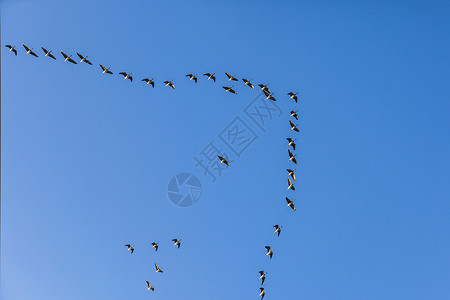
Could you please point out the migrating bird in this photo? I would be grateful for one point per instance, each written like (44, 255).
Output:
(68, 58)
(83, 59)
(105, 70)
(150, 287)
(149, 81)
(264, 88)
(269, 251)
(155, 245)
(291, 142)
(210, 76)
(277, 229)
(262, 277)
(229, 89)
(263, 293)
(30, 51)
(169, 83)
(294, 114)
(293, 96)
(248, 83)
(223, 160)
(231, 77)
(192, 77)
(293, 127)
(177, 243)
(270, 97)
(12, 49)
(130, 248)
(48, 53)
(290, 185)
(291, 173)
(126, 76)
(158, 270)
(292, 157)
(290, 203)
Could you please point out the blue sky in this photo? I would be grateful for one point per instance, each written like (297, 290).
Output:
(86, 157)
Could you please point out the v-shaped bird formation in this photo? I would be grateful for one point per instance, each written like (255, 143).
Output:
(225, 160)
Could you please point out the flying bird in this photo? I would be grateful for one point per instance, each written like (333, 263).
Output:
(30, 51)
(231, 77)
(248, 83)
(177, 243)
(290, 185)
(83, 59)
(270, 97)
(269, 251)
(290, 203)
(130, 248)
(12, 49)
(294, 114)
(68, 58)
(105, 70)
(277, 229)
(292, 157)
(126, 76)
(263, 293)
(158, 270)
(150, 287)
(229, 89)
(291, 142)
(223, 160)
(48, 53)
(262, 277)
(149, 81)
(264, 88)
(192, 77)
(169, 83)
(210, 76)
(155, 245)
(291, 173)
(293, 127)
(293, 96)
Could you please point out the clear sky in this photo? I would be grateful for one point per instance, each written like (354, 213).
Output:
(87, 157)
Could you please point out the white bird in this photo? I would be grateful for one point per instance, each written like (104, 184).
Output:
(210, 76)
(126, 76)
(277, 229)
(83, 59)
(158, 270)
(248, 83)
(262, 277)
(68, 58)
(269, 251)
(30, 51)
(105, 70)
(223, 160)
(130, 248)
(263, 293)
(169, 83)
(150, 287)
(12, 49)
(48, 53)
(155, 245)
(177, 243)
(290, 203)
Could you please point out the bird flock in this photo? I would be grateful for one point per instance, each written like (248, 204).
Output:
(228, 89)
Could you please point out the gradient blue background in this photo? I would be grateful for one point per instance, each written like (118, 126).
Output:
(86, 157)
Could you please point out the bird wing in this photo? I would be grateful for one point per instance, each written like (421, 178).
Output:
(8, 46)
(290, 123)
(288, 200)
(34, 54)
(228, 75)
(146, 80)
(103, 68)
(131, 78)
(295, 98)
(45, 50)
(26, 48)
(268, 248)
(132, 250)
(72, 61)
(207, 74)
(264, 278)
(213, 78)
(127, 245)
(293, 145)
(15, 51)
(290, 93)
(195, 79)
(152, 83)
(296, 129)
(294, 160)
(88, 62)
(226, 162)
(80, 56)
(156, 266)
(123, 73)
(290, 153)
(63, 54)
(289, 140)
(51, 55)
(276, 226)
